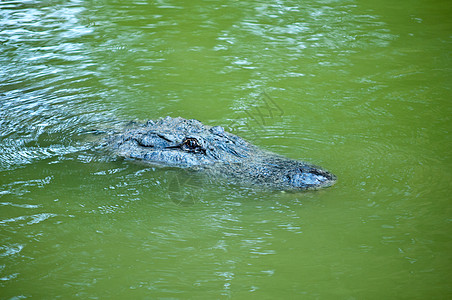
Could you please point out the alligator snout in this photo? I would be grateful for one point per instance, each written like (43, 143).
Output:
(311, 179)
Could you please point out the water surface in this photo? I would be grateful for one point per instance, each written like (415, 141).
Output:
(362, 89)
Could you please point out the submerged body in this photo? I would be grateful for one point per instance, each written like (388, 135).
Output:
(190, 144)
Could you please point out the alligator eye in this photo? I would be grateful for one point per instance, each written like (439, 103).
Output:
(191, 143)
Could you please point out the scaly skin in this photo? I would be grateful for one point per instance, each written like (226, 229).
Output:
(190, 144)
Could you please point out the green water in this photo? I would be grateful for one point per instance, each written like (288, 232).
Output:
(362, 89)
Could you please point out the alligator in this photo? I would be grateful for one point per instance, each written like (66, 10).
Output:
(183, 143)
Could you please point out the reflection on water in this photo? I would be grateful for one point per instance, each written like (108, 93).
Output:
(361, 89)
(47, 92)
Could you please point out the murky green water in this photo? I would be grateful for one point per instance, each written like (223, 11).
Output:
(363, 89)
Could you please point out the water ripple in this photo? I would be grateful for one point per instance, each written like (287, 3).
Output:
(9, 250)
(49, 84)
(29, 220)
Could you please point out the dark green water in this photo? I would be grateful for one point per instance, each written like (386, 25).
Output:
(362, 89)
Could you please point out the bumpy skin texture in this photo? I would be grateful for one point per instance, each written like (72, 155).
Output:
(190, 144)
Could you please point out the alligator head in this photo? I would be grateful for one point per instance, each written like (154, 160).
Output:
(190, 144)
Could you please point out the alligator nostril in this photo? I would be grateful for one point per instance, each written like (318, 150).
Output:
(304, 179)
